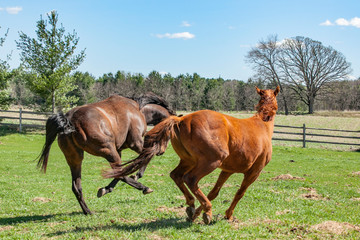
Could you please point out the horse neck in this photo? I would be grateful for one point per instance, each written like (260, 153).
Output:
(266, 113)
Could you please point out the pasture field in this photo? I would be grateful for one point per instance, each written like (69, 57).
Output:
(302, 194)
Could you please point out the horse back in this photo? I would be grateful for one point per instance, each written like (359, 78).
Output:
(113, 119)
(238, 143)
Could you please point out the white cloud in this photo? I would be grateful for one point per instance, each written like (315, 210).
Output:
(354, 22)
(342, 22)
(185, 24)
(326, 23)
(13, 10)
(183, 35)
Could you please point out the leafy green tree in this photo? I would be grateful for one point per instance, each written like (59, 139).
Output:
(84, 91)
(50, 58)
(213, 94)
(5, 76)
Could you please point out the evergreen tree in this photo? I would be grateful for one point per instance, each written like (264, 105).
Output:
(50, 59)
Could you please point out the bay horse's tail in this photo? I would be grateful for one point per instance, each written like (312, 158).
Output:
(155, 143)
(55, 124)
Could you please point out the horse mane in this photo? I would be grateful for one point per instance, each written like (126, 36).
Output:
(152, 98)
(266, 109)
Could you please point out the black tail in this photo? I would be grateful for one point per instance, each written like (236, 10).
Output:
(156, 141)
(54, 125)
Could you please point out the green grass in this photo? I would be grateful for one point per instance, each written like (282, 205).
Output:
(270, 209)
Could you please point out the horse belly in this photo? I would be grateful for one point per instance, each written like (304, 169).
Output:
(237, 164)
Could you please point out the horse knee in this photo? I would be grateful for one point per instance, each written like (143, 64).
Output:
(191, 181)
(176, 176)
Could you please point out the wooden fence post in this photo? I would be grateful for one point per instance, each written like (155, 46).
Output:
(304, 136)
(20, 118)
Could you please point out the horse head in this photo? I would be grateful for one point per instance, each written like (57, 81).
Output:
(267, 105)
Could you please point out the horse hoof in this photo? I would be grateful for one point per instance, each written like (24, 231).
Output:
(88, 212)
(147, 191)
(101, 192)
(190, 211)
(206, 218)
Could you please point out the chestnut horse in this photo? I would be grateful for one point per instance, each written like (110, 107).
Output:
(102, 129)
(206, 140)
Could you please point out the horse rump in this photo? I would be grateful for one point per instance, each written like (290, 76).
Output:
(55, 124)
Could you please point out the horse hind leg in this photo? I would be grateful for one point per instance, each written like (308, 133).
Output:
(177, 175)
(215, 191)
(192, 179)
(74, 157)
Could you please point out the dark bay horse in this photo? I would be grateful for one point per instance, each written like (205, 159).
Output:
(206, 140)
(103, 129)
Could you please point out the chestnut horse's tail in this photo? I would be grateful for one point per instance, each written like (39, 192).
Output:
(155, 143)
(55, 124)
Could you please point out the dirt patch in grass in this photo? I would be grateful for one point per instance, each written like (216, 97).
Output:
(205, 185)
(335, 227)
(236, 223)
(156, 237)
(180, 211)
(356, 173)
(312, 194)
(6, 228)
(41, 199)
(287, 177)
(355, 199)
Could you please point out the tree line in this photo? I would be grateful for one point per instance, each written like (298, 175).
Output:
(188, 92)
(305, 70)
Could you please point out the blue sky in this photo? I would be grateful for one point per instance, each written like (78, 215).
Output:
(210, 38)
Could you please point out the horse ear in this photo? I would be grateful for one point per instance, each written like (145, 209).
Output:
(277, 90)
(259, 91)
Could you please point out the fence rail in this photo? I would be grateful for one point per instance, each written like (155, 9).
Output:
(303, 135)
(22, 118)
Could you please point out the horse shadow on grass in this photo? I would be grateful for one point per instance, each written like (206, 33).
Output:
(33, 218)
(177, 223)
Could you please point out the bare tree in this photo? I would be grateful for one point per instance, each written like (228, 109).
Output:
(308, 65)
(264, 58)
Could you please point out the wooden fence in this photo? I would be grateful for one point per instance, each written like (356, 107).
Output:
(300, 134)
(24, 119)
(306, 135)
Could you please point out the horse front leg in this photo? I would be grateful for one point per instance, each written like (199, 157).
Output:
(115, 159)
(132, 182)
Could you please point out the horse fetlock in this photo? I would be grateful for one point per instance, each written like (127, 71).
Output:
(190, 211)
(135, 177)
(228, 214)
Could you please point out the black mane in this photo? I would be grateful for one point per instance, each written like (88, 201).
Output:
(152, 98)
